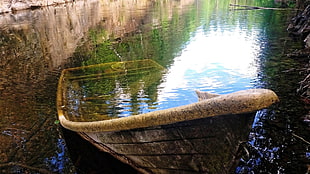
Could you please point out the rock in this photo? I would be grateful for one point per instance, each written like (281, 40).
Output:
(4, 7)
(4, 10)
(3, 158)
(301, 23)
(19, 6)
(306, 119)
(307, 41)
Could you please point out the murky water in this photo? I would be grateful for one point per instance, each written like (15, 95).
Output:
(205, 45)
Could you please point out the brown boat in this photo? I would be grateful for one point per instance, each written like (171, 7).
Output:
(201, 137)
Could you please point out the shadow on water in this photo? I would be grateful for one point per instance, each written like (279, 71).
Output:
(278, 142)
(34, 46)
(92, 160)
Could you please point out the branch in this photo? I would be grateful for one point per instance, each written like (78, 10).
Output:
(246, 7)
(302, 139)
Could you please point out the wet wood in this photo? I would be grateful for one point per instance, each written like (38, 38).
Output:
(118, 156)
(205, 95)
(201, 137)
(203, 145)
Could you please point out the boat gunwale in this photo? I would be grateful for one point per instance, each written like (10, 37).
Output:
(245, 101)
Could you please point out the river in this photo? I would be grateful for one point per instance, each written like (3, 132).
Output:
(203, 44)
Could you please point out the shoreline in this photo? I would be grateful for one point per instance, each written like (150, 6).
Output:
(299, 28)
(9, 6)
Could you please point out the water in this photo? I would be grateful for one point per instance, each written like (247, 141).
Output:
(204, 45)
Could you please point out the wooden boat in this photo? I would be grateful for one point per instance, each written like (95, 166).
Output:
(201, 137)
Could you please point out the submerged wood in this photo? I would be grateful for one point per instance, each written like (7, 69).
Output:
(201, 137)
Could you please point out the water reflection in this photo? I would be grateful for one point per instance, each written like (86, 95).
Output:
(34, 45)
(58, 163)
(216, 61)
(201, 43)
(220, 51)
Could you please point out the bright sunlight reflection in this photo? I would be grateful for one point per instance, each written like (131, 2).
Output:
(218, 62)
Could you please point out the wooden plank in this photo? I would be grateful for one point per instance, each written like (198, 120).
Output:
(200, 128)
(205, 145)
(209, 145)
(190, 163)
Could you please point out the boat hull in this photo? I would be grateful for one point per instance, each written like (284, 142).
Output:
(207, 145)
(201, 137)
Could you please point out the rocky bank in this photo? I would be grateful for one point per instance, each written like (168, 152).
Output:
(7, 6)
(300, 27)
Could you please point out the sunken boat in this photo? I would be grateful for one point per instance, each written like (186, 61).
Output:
(201, 137)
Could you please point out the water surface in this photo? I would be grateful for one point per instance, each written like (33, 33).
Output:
(205, 45)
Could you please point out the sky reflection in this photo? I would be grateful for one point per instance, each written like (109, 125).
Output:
(218, 61)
